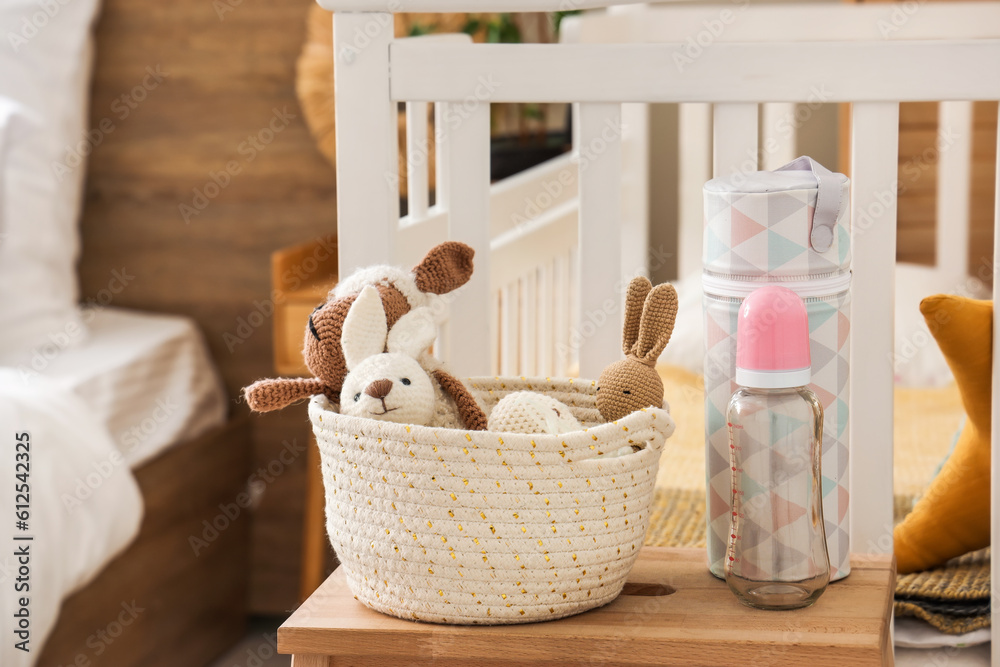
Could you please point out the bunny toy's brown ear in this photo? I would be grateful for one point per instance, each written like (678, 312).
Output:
(445, 268)
(634, 300)
(267, 395)
(658, 315)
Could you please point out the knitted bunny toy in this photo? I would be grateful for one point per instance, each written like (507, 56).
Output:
(391, 385)
(633, 383)
(445, 268)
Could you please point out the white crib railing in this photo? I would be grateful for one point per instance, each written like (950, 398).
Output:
(500, 322)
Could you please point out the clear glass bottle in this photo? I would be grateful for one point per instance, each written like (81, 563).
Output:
(777, 555)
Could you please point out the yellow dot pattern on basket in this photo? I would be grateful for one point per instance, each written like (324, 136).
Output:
(427, 532)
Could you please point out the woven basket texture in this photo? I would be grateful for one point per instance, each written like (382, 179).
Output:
(476, 527)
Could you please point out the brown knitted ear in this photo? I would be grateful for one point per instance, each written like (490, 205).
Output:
(658, 315)
(634, 300)
(267, 395)
(472, 415)
(445, 268)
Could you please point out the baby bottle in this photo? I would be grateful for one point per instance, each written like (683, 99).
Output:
(777, 556)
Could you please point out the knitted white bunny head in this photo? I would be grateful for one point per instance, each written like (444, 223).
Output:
(384, 379)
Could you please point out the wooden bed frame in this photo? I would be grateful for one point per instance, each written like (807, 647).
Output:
(159, 603)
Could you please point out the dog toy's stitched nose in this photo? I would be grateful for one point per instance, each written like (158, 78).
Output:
(379, 388)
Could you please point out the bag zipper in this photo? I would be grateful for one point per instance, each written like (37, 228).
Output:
(740, 289)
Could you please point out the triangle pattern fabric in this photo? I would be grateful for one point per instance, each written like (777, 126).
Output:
(744, 227)
(780, 250)
(714, 247)
(784, 512)
(765, 235)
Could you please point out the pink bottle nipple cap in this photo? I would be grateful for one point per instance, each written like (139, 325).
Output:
(772, 340)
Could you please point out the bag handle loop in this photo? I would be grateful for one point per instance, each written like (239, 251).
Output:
(828, 201)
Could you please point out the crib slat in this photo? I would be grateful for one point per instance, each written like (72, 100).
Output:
(529, 324)
(635, 189)
(508, 335)
(545, 313)
(874, 149)
(465, 146)
(995, 424)
(778, 134)
(600, 289)
(575, 299)
(440, 164)
(368, 140)
(561, 296)
(694, 138)
(417, 157)
(953, 176)
(734, 139)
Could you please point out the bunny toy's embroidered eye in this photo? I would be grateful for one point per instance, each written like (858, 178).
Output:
(627, 392)
(357, 397)
(406, 381)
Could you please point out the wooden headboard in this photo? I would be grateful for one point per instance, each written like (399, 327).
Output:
(202, 167)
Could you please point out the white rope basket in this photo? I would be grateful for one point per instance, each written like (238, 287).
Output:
(476, 527)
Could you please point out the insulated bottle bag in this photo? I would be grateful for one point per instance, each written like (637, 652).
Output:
(789, 227)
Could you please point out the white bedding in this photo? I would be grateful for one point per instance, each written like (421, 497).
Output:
(148, 377)
(84, 503)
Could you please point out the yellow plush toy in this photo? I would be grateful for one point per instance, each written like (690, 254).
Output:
(953, 516)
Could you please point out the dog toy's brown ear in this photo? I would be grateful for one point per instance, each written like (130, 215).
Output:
(469, 411)
(267, 395)
(445, 268)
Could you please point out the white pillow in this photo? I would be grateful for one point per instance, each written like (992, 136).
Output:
(44, 70)
(917, 361)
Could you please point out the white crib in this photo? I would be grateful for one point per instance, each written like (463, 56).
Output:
(556, 245)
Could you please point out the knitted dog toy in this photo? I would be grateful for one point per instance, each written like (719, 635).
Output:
(531, 412)
(391, 385)
(633, 383)
(445, 268)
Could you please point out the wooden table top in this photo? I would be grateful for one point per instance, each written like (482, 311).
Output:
(672, 612)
